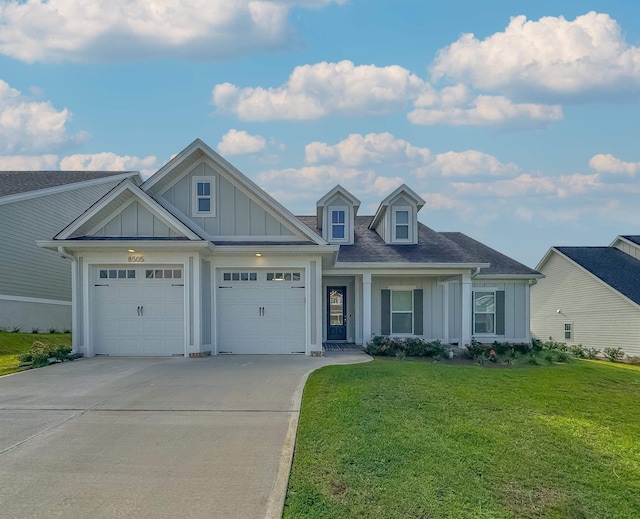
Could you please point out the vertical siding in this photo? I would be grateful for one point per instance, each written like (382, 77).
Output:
(135, 221)
(236, 213)
(27, 270)
(515, 307)
(600, 316)
(632, 250)
(455, 312)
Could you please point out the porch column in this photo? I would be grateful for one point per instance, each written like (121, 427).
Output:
(358, 309)
(366, 308)
(466, 310)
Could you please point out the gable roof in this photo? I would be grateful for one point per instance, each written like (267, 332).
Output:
(19, 182)
(617, 269)
(403, 189)
(500, 264)
(338, 189)
(634, 238)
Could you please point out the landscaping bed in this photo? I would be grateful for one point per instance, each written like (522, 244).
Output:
(16, 343)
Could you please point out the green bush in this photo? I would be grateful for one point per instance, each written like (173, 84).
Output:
(633, 359)
(578, 351)
(404, 347)
(536, 345)
(41, 352)
(613, 354)
(591, 353)
(477, 350)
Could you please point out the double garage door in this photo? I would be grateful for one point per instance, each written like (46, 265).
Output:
(139, 310)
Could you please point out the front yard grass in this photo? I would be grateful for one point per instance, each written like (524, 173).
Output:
(11, 344)
(411, 439)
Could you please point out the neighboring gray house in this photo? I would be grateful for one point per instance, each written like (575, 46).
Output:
(590, 296)
(200, 259)
(35, 285)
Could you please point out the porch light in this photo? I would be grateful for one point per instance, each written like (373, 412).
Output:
(131, 250)
(258, 254)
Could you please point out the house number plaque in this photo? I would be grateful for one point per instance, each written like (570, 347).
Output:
(135, 259)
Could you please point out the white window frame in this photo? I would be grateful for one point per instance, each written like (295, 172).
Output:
(401, 289)
(212, 196)
(473, 302)
(409, 225)
(345, 210)
(569, 331)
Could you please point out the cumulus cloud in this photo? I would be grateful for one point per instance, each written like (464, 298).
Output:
(236, 142)
(314, 91)
(27, 125)
(68, 30)
(28, 162)
(525, 184)
(467, 163)
(554, 56)
(606, 163)
(108, 161)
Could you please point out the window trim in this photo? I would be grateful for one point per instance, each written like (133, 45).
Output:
(569, 331)
(411, 290)
(345, 225)
(211, 180)
(394, 224)
(482, 290)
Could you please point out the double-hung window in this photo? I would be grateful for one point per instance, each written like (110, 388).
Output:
(568, 332)
(338, 224)
(203, 196)
(402, 311)
(401, 230)
(484, 312)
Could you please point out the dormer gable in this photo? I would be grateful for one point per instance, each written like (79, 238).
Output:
(628, 244)
(396, 220)
(336, 212)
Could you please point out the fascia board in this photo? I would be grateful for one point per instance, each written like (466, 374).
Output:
(401, 265)
(151, 245)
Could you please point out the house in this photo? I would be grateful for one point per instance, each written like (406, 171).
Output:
(35, 285)
(590, 296)
(200, 259)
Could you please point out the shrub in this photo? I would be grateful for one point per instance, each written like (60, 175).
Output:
(613, 354)
(41, 352)
(35, 330)
(407, 347)
(536, 345)
(15, 329)
(52, 330)
(577, 351)
(591, 353)
(633, 359)
(562, 356)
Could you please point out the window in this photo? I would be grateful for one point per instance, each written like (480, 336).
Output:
(283, 276)
(240, 276)
(484, 312)
(116, 274)
(163, 274)
(203, 196)
(568, 331)
(401, 224)
(338, 224)
(402, 311)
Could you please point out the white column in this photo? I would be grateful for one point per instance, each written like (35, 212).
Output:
(358, 309)
(445, 312)
(466, 310)
(366, 307)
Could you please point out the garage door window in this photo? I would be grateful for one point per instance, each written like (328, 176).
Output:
(283, 276)
(116, 274)
(240, 276)
(163, 274)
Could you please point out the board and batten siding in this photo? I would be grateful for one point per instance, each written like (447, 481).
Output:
(632, 250)
(27, 270)
(136, 220)
(600, 317)
(235, 213)
(516, 324)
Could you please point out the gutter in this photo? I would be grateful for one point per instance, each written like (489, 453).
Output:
(63, 253)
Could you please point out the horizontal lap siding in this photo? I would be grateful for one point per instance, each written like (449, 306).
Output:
(27, 270)
(600, 317)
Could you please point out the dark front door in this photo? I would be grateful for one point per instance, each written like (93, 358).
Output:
(336, 313)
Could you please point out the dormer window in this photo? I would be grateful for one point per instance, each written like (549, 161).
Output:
(401, 223)
(338, 224)
(203, 196)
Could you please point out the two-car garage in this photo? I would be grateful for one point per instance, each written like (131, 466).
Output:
(139, 310)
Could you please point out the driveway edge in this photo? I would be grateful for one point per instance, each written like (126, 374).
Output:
(275, 507)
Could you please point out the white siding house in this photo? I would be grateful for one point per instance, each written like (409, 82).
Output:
(35, 285)
(199, 259)
(590, 296)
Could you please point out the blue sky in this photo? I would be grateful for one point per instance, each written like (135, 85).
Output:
(518, 122)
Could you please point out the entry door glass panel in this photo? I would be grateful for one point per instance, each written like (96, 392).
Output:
(336, 313)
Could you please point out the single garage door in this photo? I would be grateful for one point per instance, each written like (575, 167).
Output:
(139, 311)
(261, 311)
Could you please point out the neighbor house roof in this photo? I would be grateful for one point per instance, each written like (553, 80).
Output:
(617, 269)
(633, 238)
(500, 264)
(14, 182)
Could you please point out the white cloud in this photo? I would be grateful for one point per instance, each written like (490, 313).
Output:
(108, 161)
(485, 110)
(236, 142)
(27, 126)
(526, 184)
(439, 201)
(467, 163)
(550, 56)
(314, 91)
(100, 30)
(28, 162)
(609, 164)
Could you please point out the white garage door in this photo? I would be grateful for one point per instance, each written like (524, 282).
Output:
(139, 311)
(261, 311)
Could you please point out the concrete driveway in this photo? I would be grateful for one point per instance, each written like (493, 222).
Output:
(152, 438)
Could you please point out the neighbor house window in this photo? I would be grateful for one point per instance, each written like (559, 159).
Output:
(484, 312)
(401, 224)
(568, 331)
(402, 311)
(203, 196)
(338, 224)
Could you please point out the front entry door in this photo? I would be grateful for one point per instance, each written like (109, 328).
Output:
(336, 313)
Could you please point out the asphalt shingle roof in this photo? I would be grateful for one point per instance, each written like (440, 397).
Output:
(14, 182)
(432, 247)
(634, 238)
(617, 269)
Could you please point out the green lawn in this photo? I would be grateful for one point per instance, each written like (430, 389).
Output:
(412, 439)
(11, 344)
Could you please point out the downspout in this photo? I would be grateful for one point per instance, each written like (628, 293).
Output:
(476, 272)
(63, 253)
